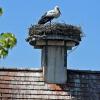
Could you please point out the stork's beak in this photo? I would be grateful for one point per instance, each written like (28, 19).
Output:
(60, 12)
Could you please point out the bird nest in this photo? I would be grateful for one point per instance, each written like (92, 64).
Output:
(54, 28)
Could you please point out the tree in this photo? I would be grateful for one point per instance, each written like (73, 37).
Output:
(1, 11)
(7, 41)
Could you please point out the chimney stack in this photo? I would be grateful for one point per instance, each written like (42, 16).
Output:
(54, 40)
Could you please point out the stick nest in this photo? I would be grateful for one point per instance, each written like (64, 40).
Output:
(54, 28)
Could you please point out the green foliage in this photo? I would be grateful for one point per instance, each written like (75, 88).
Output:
(1, 11)
(7, 41)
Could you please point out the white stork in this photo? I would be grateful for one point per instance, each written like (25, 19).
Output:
(50, 15)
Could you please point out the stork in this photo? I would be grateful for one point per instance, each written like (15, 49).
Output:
(49, 16)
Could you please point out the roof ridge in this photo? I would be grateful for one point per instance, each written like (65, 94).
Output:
(21, 69)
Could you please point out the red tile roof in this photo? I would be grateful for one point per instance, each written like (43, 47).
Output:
(25, 84)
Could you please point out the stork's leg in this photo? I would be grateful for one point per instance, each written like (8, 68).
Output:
(50, 23)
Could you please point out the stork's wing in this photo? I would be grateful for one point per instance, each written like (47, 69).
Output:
(51, 13)
(44, 15)
(45, 19)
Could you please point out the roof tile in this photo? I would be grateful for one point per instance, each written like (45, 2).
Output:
(16, 84)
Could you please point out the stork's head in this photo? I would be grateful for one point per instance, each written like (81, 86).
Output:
(56, 7)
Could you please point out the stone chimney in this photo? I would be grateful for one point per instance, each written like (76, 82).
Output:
(54, 40)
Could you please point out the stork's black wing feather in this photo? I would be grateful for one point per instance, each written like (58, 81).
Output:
(44, 19)
(44, 15)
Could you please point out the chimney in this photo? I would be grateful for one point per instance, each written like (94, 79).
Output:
(54, 40)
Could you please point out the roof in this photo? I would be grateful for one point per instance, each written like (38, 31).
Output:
(28, 84)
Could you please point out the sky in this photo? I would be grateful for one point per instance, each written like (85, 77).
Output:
(19, 15)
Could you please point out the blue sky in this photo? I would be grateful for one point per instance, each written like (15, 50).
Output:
(20, 14)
